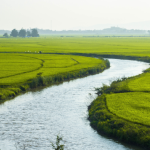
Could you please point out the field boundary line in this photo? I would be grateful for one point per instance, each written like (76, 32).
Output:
(26, 71)
(122, 117)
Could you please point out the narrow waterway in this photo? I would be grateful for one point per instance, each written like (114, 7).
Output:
(33, 120)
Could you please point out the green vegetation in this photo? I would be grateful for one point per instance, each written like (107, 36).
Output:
(122, 109)
(58, 145)
(18, 68)
(19, 72)
(22, 33)
(125, 46)
(105, 122)
(140, 83)
(132, 106)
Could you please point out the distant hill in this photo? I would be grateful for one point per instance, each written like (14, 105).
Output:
(112, 30)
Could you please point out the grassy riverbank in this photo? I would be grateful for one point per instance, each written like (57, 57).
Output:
(122, 110)
(21, 72)
(107, 123)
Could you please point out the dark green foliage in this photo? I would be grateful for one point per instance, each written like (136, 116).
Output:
(107, 63)
(14, 33)
(29, 33)
(22, 33)
(24, 87)
(105, 122)
(118, 86)
(15, 90)
(57, 145)
(1, 96)
(34, 33)
(5, 35)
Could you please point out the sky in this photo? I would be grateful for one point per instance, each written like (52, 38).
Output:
(74, 14)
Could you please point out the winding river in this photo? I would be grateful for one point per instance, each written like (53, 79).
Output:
(34, 119)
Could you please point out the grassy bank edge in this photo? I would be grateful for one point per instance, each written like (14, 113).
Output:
(9, 92)
(125, 57)
(102, 120)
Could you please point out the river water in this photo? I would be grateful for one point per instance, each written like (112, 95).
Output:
(33, 120)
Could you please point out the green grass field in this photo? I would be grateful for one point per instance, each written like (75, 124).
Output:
(18, 68)
(140, 83)
(132, 106)
(128, 46)
(22, 71)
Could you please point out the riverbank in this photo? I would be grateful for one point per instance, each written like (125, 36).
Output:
(14, 88)
(121, 110)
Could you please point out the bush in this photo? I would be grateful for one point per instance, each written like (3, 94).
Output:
(117, 86)
(58, 146)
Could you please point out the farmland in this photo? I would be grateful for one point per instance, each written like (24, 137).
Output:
(42, 69)
(31, 62)
(17, 68)
(132, 106)
(127, 46)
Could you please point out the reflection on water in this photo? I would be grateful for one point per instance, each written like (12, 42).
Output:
(34, 119)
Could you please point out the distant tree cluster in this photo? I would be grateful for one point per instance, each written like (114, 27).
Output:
(23, 33)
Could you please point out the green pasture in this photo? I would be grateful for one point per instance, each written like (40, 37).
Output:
(132, 103)
(19, 68)
(128, 46)
(132, 106)
(140, 83)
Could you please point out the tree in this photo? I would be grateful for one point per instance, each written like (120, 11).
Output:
(28, 33)
(14, 33)
(22, 33)
(5, 35)
(149, 31)
(34, 33)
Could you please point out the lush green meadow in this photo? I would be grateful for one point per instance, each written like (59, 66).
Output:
(21, 71)
(132, 106)
(18, 68)
(127, 46)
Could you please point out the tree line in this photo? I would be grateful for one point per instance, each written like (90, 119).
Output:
(23, 33)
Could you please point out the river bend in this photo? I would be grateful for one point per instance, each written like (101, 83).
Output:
(35, 118)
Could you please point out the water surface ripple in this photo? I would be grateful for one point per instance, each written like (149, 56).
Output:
(34, 119)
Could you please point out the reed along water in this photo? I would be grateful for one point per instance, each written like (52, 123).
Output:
(34, 119)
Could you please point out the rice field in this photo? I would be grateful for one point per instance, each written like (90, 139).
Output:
(134, 105)
(140, 83)
(127, 46)
(131, 106)
(19, 68)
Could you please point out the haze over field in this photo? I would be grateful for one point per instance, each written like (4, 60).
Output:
(74, 15)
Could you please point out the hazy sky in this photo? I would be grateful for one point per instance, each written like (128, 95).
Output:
(71, 14)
